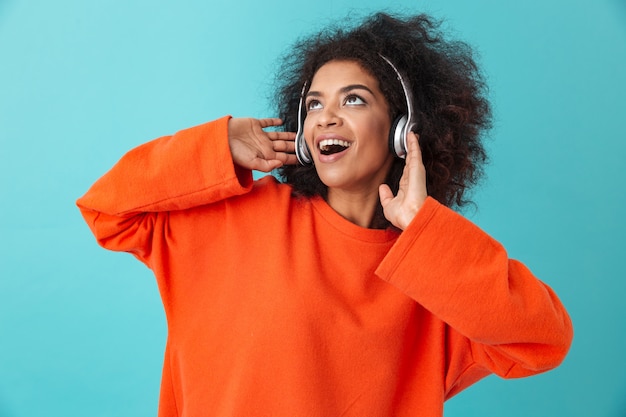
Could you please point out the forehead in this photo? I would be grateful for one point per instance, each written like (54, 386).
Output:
(341, 73)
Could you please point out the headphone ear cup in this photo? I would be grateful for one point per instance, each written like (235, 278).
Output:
(302, 150)
(396, 136)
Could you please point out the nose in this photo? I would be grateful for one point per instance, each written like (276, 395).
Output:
(329, 116)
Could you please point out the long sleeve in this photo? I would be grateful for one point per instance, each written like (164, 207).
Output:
(191, 168)
(512, 323)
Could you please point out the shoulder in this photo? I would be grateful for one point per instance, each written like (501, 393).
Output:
(267, 193)
(269, 187)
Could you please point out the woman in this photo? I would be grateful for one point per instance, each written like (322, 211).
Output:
(350, 288)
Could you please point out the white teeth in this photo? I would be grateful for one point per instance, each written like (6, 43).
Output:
(324, 144)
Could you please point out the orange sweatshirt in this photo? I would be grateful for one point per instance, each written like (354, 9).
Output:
(278, 306)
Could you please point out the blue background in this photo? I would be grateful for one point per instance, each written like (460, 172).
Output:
(82, 330)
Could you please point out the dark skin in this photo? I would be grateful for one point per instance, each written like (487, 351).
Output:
(255, 149)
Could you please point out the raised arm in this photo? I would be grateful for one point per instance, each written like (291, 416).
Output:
(196, 166)
(503, 318)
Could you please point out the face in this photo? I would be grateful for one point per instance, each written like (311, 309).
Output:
(347, 128)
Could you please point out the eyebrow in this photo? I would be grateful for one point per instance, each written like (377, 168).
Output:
(343, 90)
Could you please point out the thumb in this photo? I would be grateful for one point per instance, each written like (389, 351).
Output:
(385, 194)
(266, 165)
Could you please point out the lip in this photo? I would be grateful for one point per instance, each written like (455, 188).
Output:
(333, 157)
(325, 136)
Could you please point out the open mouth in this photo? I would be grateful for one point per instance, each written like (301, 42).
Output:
(331, 146)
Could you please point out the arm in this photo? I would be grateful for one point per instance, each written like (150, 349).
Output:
(501, 318)
(515, 323)
(196, 166)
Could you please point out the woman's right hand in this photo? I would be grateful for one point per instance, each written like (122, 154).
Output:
(255, 149)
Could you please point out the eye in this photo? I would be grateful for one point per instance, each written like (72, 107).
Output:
(313, 105)
(354, 100)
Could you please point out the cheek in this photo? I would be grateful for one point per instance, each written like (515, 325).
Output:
(380, 130)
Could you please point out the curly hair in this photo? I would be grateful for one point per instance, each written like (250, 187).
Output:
(449, 96)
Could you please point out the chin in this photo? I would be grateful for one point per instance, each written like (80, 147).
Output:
(332, 178)
(331, 182)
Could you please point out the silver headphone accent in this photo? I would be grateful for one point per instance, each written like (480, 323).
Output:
(302, 150)
(397, 136)
(405, 123)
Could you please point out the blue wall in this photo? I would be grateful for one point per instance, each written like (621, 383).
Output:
(82, 330)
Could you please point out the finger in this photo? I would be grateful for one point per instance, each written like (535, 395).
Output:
(414, 148)
(281, 135)
(265, 165)
(271, 121)
(414, 174)
(291, 159)
(285, 158)
(279, 160)
(284, 146)
(414, 163)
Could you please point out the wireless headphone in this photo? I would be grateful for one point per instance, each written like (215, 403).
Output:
(400, 127)
(302, 149)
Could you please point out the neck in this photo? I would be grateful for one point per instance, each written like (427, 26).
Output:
(358, 208)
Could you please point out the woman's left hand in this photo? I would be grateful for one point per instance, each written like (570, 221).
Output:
(403, 207)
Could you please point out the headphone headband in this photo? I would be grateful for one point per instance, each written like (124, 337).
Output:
(398, 140)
